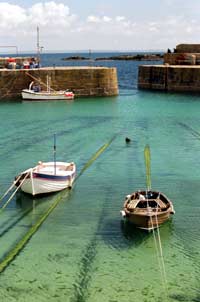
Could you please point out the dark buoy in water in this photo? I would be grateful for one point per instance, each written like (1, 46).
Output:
(128, 140)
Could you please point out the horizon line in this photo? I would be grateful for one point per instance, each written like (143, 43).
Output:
(89, 51)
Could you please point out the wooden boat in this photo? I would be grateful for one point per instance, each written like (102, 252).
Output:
(47, 177)
(147, 209)
(35, 93)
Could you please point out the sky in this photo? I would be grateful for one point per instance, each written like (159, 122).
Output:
(103, 25)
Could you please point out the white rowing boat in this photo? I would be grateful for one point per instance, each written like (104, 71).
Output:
(47, 177)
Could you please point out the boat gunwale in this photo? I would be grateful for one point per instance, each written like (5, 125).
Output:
(152, 211)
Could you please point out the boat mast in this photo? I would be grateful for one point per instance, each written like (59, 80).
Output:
(38, 45)
(54, 153)
(48, 90)
(48, 84)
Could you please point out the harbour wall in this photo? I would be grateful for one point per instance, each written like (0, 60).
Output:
(169, 77)
(83, 81)
(187, 48)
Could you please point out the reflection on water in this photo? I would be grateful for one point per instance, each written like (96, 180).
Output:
(26, 201)
(136, 236)
(133, 235)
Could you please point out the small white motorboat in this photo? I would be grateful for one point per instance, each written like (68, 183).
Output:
(34, 93)
(46, 177)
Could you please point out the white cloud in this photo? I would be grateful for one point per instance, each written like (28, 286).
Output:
(93, 19)
(47, 14)
(108, 25)
(153, 27)
(106, 19)
(120, 18)
(61, 29)
(50, 14)
(11, 15)
(97, 19)
(188, 29)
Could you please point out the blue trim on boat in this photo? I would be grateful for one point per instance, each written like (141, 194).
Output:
(52, 177)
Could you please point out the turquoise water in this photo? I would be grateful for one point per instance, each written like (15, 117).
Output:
(83, 251)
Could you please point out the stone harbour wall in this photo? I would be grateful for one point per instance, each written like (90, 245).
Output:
(182, 58)
(169, 78)
(188, 48)
(180, 72)
(84, 81)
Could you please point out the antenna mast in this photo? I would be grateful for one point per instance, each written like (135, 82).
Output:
(38, 45)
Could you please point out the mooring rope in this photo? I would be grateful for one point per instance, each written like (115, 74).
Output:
(39, 80)
(154, 236)
(10, 188)
(159, 252)
(21, 243)
(162, 262)
(7, 202)
(95, 156)
(158, 244)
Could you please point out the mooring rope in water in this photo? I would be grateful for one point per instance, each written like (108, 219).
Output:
(10, 188)
(159, 252)
(160, 258)
(7, 202)
(165, 284)
(21, 243)
(155, 241)
(158, 245)
(14, 222)
(19, 246)
(190, 129)
(95, 156)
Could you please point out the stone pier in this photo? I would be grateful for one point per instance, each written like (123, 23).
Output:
(84, 81)
(169, 78)
(180, 71)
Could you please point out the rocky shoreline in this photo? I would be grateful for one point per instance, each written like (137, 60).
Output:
(137, 57)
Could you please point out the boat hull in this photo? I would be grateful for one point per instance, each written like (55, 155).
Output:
(147, 210)
(148, 222)
(44, 182)
(42, 186)
(45, 96)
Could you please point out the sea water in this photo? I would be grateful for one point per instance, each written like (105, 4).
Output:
(84, 251)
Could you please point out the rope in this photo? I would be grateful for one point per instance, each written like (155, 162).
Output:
(7, 202)
(162, 263)
(159, 252)
(10, 188)
(95, 156)
(19, 246)
(158, 245)
(39, 80)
